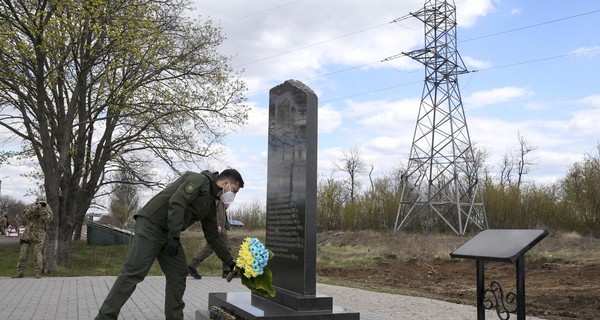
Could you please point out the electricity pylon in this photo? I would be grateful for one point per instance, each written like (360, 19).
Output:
(441, 180)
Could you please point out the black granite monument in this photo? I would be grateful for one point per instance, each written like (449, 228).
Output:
(291, 217)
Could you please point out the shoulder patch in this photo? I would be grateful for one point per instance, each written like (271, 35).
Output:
(190, 187)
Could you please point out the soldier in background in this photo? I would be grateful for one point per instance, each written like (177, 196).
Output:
(207, 250)
(38, 216)
(3, 224)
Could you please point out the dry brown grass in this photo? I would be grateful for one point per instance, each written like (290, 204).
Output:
(404, 246)
(361, 248)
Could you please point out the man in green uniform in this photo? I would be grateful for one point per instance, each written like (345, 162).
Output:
(38, 216)
(207, 250)
(158, 224)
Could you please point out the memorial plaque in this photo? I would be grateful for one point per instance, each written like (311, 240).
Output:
(291, 231)
(292, 187)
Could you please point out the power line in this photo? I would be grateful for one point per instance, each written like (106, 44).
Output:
(397, 20)
(472, 71)
(312, 45)
(531, 26)
(373, 91)
(399, 55)
(539, 60)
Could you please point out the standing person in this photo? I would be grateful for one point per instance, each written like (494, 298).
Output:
(207, 250)
(38, 216)
(158, 225)
(3, 224)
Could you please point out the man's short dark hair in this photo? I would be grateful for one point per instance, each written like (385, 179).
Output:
(233, 175)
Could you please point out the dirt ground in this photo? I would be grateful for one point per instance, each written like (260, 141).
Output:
(554, 289)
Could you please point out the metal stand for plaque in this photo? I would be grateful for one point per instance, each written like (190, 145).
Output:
(504, 246)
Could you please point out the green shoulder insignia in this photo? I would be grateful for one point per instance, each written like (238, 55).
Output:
(190, 187)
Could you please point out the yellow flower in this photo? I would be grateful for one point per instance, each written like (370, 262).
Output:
(246, 259)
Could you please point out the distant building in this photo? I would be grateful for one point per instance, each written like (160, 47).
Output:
(95, 216)
(235, 223)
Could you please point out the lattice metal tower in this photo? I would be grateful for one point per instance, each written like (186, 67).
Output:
(441, 180)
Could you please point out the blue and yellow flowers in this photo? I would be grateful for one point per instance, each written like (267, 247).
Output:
(251, 265)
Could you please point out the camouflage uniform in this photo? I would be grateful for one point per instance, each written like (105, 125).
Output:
(3, 224)
(207, 250)
(38, 216)
(189, 199)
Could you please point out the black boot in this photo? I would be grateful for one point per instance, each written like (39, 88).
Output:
(194, 272)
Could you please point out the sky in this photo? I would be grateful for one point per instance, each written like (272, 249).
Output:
(533, 73)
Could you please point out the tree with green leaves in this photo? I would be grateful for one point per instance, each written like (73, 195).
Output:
(581, 192)
(94, 87)
(124, 198)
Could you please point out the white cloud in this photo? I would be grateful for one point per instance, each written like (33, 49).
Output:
(467, 12)
(593, 100)
(586, 51)
(494, 96)
(295, 40)
(258, 122)
(329, 119)
(585, 122)
(477, 64)
(515, 11)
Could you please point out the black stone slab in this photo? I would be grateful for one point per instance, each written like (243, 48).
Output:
(245, 305)
(291, 231)
(292, 187)
(500, 244)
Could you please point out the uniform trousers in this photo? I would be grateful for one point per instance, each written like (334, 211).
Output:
(207, 251)
(147, 245)
(38, 255)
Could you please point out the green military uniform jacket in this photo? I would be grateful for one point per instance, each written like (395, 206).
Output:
(37, 220)
(189, 199)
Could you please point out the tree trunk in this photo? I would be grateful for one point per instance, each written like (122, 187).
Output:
(78, 227)
(50, 261)
(63, 249)
(57, 251)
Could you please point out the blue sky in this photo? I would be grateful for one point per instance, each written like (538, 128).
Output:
(529, 79)
(537, 62)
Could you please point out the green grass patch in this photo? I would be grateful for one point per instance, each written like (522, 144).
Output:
(345, 257)
(93, 260)
(335, 249)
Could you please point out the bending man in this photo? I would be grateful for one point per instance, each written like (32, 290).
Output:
(158, 224)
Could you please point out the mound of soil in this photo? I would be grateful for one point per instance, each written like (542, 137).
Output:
(555, 289)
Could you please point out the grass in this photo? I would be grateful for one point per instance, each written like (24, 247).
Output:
(108, 260)
(335, 249)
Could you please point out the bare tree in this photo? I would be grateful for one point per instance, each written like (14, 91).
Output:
(506, 169)
(518, 161)
(352, 165)
(91, 90)
(524, 163)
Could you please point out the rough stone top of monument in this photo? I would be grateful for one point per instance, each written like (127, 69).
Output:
(297, 84)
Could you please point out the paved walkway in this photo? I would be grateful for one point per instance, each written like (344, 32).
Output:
(78, 298)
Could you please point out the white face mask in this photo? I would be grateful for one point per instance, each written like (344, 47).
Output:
(228, 196)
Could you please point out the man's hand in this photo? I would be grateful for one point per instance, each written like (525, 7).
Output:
(232, 272)
(173, 247)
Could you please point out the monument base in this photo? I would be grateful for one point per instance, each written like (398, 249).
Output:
(249, 306)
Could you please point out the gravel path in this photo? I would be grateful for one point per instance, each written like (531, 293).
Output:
(397, 307)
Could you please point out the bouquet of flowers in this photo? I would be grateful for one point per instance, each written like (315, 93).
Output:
(251, 265)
